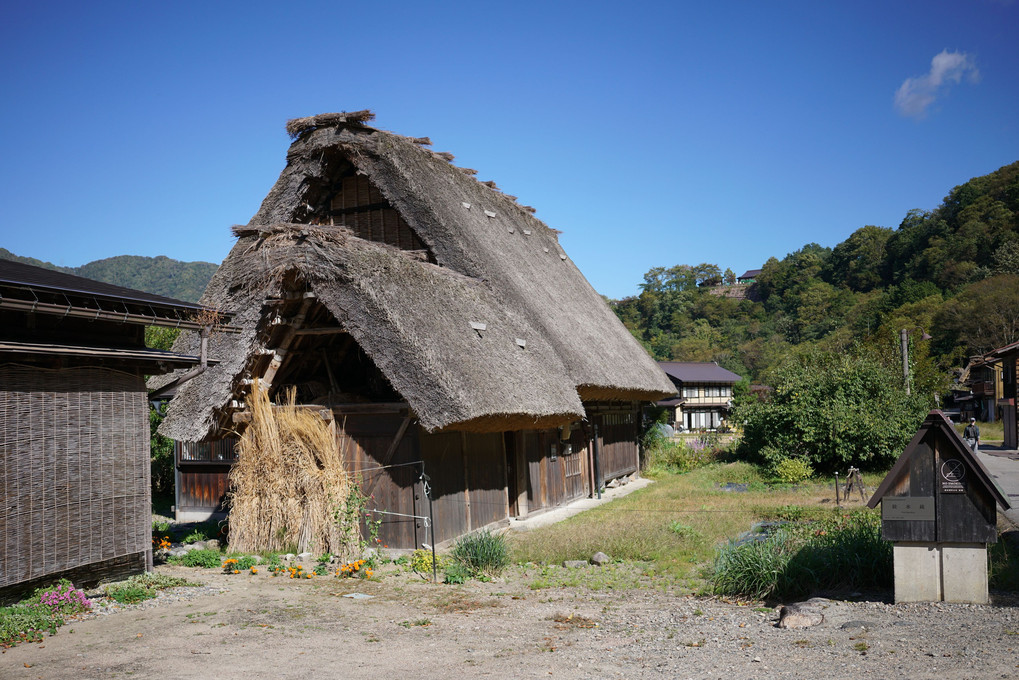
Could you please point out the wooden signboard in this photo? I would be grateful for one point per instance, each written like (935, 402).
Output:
(938, 491)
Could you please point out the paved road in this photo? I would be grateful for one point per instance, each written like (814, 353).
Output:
(1004, 467)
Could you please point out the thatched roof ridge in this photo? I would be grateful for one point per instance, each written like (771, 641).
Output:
(412, 318)
(297, 126)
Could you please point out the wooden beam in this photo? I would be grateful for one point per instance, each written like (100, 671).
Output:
(284, 345)
(330, 330)
(368, 409)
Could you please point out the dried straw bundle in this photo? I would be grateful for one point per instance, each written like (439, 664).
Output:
(288, 482)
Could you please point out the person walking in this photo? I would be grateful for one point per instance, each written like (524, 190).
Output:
(972, 434)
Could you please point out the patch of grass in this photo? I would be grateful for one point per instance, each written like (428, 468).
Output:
(639, 526)
(618, 576)
(144, 587)
(668, 456)
(205, 558)
(23, 623)
(988, 431)
(845, 551)
(1003, 566)
(129, 593)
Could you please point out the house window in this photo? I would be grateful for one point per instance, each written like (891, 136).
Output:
(690, 391)
(713, 391)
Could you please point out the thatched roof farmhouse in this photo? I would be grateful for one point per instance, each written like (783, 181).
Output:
(380, 280)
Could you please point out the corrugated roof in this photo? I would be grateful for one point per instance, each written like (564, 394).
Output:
(696, 371)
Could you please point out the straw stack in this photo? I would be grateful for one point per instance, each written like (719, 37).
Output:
(288, 483)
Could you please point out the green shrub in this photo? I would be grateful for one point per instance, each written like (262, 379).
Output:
(482, 553)
(833, 409)
(205, 558)
(665, 456)
(202, 532)
(792, 470)
(421, 561)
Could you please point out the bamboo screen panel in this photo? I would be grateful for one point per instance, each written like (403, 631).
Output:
(74, 469)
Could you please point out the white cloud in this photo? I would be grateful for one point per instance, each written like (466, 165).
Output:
(915, 95)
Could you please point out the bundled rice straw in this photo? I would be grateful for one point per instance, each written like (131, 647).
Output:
(288, 482)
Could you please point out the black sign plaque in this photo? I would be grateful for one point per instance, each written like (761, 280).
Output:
(952, 475)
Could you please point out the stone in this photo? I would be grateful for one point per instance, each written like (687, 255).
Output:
(575, 564)
(212, 544)
(197, 545)
(305, 556)
(864, 625)
(600, 559)
(801, 614)
(289, 557)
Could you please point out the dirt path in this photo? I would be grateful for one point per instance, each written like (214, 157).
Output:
(260, 627)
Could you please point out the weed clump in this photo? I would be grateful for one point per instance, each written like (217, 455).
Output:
(205, 558)
(482, 553)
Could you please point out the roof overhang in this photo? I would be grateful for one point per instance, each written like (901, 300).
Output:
(153, 358)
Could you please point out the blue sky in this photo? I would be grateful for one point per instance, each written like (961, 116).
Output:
(650, 133)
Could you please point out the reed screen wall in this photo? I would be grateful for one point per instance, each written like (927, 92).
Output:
(74, 472)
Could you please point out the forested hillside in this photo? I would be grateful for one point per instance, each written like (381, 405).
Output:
(160, 275)
(952, 271)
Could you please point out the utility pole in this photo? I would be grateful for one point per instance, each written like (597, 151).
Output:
(904, 341)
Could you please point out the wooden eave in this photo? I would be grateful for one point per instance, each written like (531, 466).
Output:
(168, 360)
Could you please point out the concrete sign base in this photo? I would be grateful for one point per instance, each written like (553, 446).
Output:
(935, 572)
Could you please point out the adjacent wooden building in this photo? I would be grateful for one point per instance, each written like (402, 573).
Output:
(435, 323)
(74, 425)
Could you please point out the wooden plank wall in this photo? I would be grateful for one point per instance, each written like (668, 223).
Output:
(364, 440)
(202, 487)
(485, 466)
(619, 453)
(203, 474)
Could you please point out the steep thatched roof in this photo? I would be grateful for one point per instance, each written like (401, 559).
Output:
(494, 263)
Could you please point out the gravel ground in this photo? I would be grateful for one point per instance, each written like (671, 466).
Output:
(244, 626)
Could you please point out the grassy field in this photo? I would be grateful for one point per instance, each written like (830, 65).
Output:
(676, 523)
